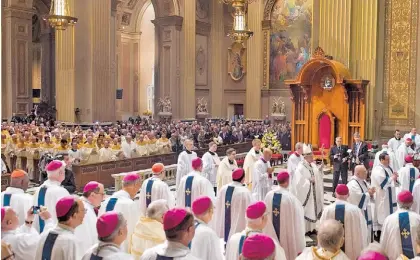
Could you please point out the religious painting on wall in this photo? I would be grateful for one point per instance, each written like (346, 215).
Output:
(236, 61)
(290, 39)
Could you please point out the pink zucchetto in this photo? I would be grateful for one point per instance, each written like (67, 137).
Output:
(106, 223)
(131, 177)
(405, 197)
(196, 163)
(372, 255)
(408, 159)
(283, 176)
(64, 205)
(342, 189)
(256, 210)
(91, 186)
(54, 165)
(258, 246)
(238, 173)
(408, 139)
(201, 205)
(3, 213)
(173, 218)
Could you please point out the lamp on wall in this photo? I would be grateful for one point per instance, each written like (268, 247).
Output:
(239, 32)
(59, 16)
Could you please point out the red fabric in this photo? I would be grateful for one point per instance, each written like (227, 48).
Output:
(290, 153)
(325, 131)
(369, 145)
(276, 156)
(370, 164)
(240, 162)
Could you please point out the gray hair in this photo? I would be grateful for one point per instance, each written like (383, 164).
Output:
(129, 183)
(373, 247)
(298, 145)
(404, 205)
(111, 237)
(330, 234)
(356, 134)
(157, 209)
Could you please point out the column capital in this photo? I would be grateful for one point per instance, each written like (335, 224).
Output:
(172, 20)
(25, 14)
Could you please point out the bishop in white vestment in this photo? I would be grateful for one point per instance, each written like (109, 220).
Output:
(286, 221)
(355, 228)
(225, 169)
(414, 137)
(251, 157)
(402, 152)
(211, 163)
(262, 181)
(185, 159)
(292, 162)
(408, 174)
(258, 246)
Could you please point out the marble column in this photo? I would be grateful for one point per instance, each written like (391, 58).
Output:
(217, 38)
(254, 61)
(17, 57)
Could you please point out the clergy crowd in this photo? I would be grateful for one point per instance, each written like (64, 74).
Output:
(221, 211)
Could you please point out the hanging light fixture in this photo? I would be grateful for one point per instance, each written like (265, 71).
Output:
(239, 32)
(59, 16)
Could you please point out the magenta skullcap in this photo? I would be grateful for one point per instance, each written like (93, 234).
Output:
(64, 205)
(3, 213)
(131, 177)
(372, 255)
(408, 159)
(409, 139)
(54, 165)
(106, 223)
(283, 176)
(91, 186)
(201, 205)
(405, 196)
(173, 218)
(238, 173)
(342, 189)
(256, 210)
(196, 163)
(258, 246)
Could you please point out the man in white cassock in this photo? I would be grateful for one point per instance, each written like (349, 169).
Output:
(355, 228)
(87, 236)
(362, 196)
(262, 174)
(128, 147)
(154, 188)
(399, 230)
(395, 141)
(392, 159)
(415, 138)
(257, 219)
(60, 242)
(251, 157)
(15, 197)
(179, 228)
(330, 240)
(122, 202)
(416, 195)
(193, 185)
(292, 162)
(384, 180)
(50, 192)
(408, 175)
(402, 152)
(211, 163)
(112, 232)
(286, 221)
(23, 239)
(184, 161)
(310, 184)
(205, 245)
(225, 169)
(231, 204)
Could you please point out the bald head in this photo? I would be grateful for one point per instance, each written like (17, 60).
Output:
(267, 153)
(10, 220)
(360, 172)
(331, 235)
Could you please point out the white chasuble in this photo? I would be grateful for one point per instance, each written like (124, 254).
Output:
(292, 164)
(191, 187)
(206, 245)
(169, 249)
(184, 165)
(211, 163)
(401, 153)
(107, 155)
(86, 233)
(407, 176)
(314, 253)
(224, 172)
(261, 182)
(18, 200)
(153, 189)
(251, 157)
(148, 233)
(107, 251)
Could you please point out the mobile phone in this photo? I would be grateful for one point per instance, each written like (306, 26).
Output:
(36, 209)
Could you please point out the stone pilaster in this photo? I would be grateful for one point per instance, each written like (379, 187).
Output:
(17, 57)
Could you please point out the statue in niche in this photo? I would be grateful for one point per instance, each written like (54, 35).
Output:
(36, 28)
(327, 82)
(278, 107)
(164, 105)
(201, 106)
(237, 61)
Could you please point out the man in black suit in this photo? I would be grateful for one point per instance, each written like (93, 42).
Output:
(226, 136)
(360, 152)
(339, 158)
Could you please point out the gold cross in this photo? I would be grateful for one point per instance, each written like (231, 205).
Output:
(405, 233)
(188, 192)
(148, 196)
(276, 212)
(227, 204)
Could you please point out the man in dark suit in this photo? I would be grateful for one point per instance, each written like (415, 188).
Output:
(226, 136)
(360, 153)
(339, 158)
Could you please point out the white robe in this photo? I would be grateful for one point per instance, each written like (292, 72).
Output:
(86, 233)
(391, 233)
(311, 195)
(416, 140)
(148, 233)
(65, 246)
(292, 163)
(416, 195)
(200, 187)
(355, 228)
(261, 183)
(108, 252)
(401, 153)
(169, 249)
(160, 190)
(128, 208)
(404, 177)
(20, 202)
(250, 159)
(73, 155)
(210, 166)
(129, 149)
(308, 254)
(184, 165)
(224, 172)
(232, 247)
(206, 245)
(394, 143)
(53, 194)
(292, 222)
(241, 199)
(107, 155)
(392, 159)
(360, 197)
(384, 186)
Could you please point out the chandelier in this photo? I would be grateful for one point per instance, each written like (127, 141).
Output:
(239, 32)
(59, 16)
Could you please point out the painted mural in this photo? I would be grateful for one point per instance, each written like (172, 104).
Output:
(290, 39)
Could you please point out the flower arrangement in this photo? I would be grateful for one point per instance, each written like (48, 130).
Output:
(270, 141)
(147, 113)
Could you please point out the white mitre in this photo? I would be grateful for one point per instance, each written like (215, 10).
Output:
(307, 150)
